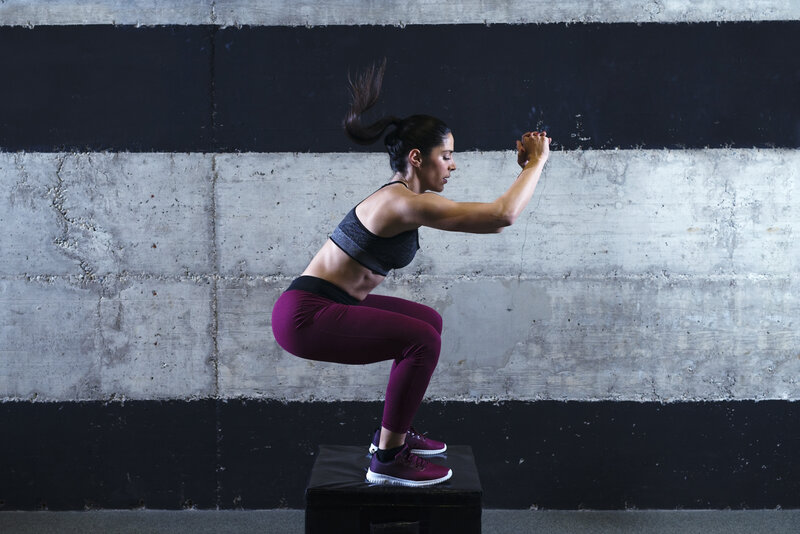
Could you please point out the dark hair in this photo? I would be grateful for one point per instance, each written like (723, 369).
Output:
(422, 132)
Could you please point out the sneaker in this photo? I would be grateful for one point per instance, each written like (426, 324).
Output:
(418, 443)
(407, 470)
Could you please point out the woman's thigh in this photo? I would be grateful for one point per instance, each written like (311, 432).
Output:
(318, 329)
(405, 307)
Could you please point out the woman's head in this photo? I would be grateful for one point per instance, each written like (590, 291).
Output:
(421, 132)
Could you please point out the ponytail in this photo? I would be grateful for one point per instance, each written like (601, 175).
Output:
(422, 132)
(364, 92)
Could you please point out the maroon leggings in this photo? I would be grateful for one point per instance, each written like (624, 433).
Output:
(376, 329)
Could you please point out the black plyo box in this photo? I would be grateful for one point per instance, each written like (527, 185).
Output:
(339, 500)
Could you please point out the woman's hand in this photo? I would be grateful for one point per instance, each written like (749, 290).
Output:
(535, 146)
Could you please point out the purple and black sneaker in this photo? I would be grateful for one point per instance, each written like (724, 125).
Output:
(418, 443)
(407, 469)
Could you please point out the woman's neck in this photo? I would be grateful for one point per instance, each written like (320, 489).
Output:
(410, 180)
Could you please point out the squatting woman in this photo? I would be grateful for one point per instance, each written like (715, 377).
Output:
(330, 314)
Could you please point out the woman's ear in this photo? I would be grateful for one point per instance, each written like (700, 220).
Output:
(415, 158)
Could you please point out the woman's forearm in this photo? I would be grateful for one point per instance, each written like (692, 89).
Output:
(513, 201)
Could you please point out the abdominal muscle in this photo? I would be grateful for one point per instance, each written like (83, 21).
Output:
(332, 264)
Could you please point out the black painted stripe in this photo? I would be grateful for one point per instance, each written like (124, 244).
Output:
(268, 89)
(106, 88)
(258, 454)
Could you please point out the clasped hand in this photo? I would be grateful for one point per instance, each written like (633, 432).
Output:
(534, 146)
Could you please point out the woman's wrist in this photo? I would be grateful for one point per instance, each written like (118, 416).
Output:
(533, 162)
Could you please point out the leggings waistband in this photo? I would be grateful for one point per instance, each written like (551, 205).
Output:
(323, 288)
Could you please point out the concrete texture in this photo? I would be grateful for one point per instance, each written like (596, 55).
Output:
(355, 12)
(493, 522)
(632, 275)
(105, 276)
(95, 214)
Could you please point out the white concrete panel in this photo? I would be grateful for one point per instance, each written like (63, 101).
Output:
(157, 340)
(63, 342)
(619, 340)
(48, 345)
(130, 12)
(98, 214)
(32, 224)
(362, 12)
(612, 213)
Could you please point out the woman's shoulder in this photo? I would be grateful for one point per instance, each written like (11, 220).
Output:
(385, 212)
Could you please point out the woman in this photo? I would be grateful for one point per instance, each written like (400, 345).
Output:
(330, 314)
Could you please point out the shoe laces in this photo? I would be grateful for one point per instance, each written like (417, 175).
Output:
(412, 431)
(414, 461)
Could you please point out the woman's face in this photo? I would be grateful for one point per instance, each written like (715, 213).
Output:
(437, 166)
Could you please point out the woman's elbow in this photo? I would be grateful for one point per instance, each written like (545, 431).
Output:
(501, 223)
(502, 215)
(506, 219)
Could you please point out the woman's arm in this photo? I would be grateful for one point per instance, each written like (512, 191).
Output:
(430, 209)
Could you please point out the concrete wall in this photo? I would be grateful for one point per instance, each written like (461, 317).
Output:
(159, 188)
(355, 12)
(640, 275)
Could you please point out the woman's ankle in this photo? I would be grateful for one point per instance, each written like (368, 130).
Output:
(391, 440)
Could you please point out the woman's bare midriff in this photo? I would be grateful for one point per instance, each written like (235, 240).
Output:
(332, 264)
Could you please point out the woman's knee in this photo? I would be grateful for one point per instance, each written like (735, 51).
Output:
(433, 318)
(426, 346)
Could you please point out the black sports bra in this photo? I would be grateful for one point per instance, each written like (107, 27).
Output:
(376, 253)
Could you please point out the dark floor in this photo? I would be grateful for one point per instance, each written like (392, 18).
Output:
(494, 522)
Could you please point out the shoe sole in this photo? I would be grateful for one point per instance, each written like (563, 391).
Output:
(377, 478)
(419, 452)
